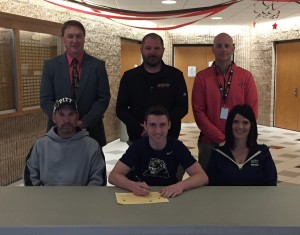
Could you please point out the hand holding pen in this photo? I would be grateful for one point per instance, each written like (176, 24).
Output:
(140, 188)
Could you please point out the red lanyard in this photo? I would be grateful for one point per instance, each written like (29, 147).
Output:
(224, 91)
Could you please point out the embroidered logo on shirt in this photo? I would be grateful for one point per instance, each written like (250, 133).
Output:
(168, 153)
(163, 85)
(254, 162)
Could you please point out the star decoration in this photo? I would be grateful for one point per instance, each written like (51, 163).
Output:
(274, 25)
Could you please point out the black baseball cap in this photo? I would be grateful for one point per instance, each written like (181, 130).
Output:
(65, 101)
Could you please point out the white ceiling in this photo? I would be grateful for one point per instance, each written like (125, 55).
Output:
(240, 13)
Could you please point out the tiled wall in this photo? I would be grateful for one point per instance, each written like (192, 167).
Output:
(254, 51)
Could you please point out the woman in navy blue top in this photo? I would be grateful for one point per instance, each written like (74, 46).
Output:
(241, 161)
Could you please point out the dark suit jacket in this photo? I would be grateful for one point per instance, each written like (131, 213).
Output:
(93, 92)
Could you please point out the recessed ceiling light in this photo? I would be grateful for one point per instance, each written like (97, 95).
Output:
(168, 2)
(216, 18)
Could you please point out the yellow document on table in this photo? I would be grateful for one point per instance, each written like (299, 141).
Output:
(130, 198)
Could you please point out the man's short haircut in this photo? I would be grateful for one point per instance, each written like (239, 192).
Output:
(70, 23)
(152, 35)
(157, 110)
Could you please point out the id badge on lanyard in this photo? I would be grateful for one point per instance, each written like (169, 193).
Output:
(224, 112)
(224, 93)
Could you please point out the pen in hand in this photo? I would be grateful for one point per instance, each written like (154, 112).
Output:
(143, 188)
(138, 179)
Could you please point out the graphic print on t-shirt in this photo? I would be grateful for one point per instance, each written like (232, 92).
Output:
(157, 168)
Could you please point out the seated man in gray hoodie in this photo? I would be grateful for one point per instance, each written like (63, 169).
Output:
(66, 155)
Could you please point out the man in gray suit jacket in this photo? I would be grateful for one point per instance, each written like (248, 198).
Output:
(92, 91)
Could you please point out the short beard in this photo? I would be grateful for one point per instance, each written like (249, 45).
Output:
(152, 64)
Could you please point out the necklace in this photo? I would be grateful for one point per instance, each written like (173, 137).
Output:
(240, 154)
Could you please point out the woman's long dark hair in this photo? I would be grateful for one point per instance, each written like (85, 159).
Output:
(246, 111)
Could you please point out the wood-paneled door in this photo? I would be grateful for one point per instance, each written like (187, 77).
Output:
(130, 55)
(287, 96)
(187, 56)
